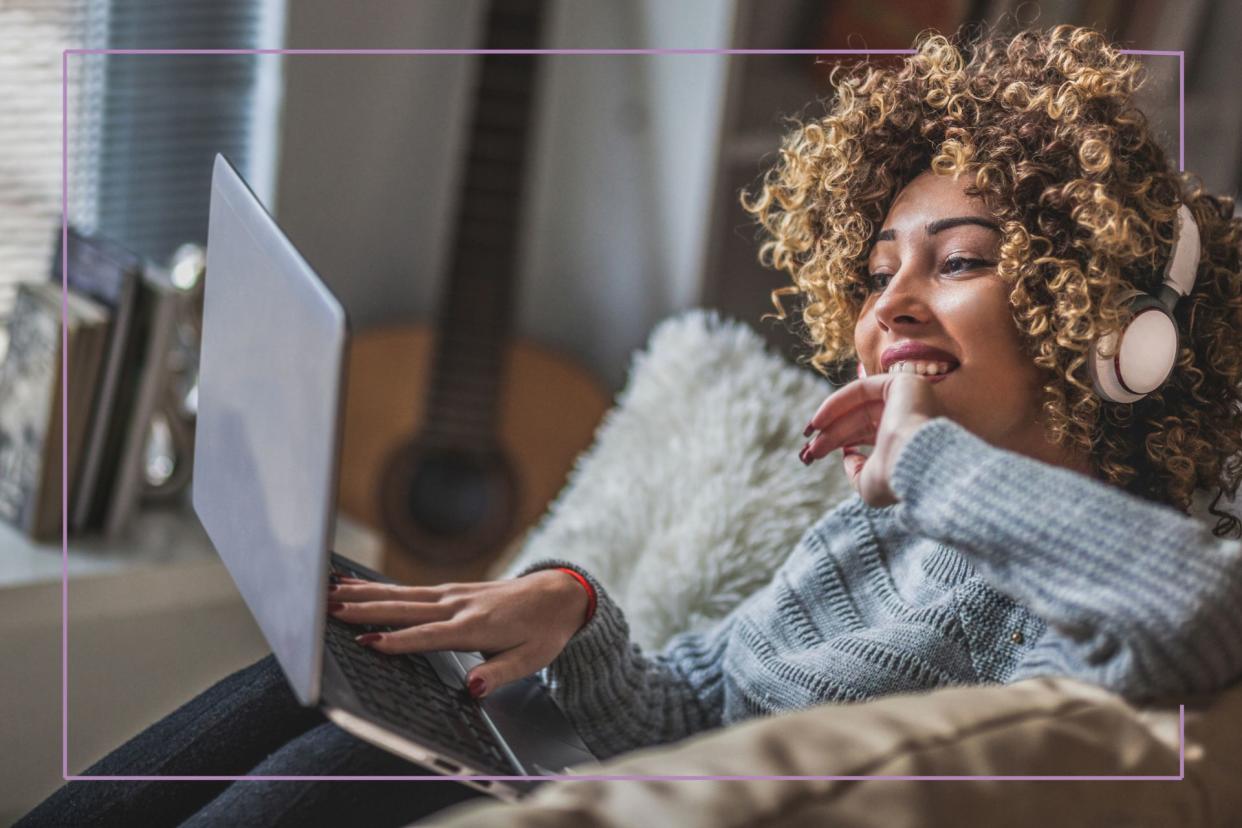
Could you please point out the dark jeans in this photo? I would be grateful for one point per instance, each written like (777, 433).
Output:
(247, 724)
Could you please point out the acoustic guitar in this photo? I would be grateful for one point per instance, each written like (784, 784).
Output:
(457, 436)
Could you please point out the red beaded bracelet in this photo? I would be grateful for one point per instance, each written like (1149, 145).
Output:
(590, 613)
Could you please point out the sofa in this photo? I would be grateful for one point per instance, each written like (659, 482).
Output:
(688, 499)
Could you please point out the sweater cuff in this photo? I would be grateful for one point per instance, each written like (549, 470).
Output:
(586, 585)
(938, 460)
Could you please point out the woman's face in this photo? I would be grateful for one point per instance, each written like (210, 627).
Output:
(933, 281)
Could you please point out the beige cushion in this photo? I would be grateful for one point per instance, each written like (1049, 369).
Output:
(1042, 726)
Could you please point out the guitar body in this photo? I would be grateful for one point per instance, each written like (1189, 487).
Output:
(450, 509)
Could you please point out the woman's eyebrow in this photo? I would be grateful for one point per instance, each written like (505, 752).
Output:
(944, 224)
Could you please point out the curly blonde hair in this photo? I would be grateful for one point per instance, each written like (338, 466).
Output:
(1045, 129)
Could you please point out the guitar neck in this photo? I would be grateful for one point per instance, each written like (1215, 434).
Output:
(475, 315)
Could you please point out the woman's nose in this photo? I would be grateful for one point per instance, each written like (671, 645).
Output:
(902, 299)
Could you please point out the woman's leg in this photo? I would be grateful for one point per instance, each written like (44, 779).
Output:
(327, 750)
(224, 731)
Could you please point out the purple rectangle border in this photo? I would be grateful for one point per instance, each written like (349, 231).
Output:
(64, 583)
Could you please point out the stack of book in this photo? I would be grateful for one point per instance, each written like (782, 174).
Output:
(118, 316)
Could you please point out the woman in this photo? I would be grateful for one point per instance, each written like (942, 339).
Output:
(965, 229)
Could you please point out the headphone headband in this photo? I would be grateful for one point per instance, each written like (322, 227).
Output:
(1184, 261)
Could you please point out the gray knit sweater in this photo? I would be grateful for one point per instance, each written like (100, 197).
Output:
(994, 567)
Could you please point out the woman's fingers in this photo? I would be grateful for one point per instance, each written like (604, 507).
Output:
(518, 620)
(390, 613)
(426, 638)
(371, 591)
(858, 425)
(510, 665)
(849, 397)
(853, 460)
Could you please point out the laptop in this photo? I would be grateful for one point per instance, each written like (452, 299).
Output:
(270, 406)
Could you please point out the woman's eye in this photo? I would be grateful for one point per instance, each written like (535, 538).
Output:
(876, 282)
(966, 264)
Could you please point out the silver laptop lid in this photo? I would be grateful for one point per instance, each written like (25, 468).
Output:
(269, 403)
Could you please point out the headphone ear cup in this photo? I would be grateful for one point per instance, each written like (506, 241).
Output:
(1104, 375)
(1142, 360)
(1148, 350)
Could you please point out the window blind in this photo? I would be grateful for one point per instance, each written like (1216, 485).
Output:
(33, 34)
(164, 117)
(143, 130)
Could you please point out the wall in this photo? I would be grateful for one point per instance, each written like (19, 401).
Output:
(622, 153)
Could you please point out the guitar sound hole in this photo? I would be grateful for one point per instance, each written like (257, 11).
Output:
(448, 493)
(447, 504)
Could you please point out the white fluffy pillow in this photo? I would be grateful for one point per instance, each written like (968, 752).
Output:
(692, 493)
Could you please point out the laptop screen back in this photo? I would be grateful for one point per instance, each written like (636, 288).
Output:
(269, 406)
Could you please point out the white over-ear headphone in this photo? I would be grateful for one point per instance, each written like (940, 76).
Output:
(1148, 344)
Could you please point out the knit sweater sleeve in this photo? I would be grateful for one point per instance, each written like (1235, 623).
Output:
(620, 698)
(1138, 597)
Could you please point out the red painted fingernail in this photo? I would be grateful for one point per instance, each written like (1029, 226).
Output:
(805, 455)
(335, 606)
(368, 638)
(333, 587)
(809, 429)
(477, 686)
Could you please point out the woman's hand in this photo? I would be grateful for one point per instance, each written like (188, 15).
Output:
(883, 411)
(520, 625)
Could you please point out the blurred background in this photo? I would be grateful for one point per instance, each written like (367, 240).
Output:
(614, 181)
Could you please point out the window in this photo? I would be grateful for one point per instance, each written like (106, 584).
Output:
(33, 34)
(143, 129)
(164, 117)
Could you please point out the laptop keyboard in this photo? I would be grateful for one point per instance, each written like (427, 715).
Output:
(405, 692)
